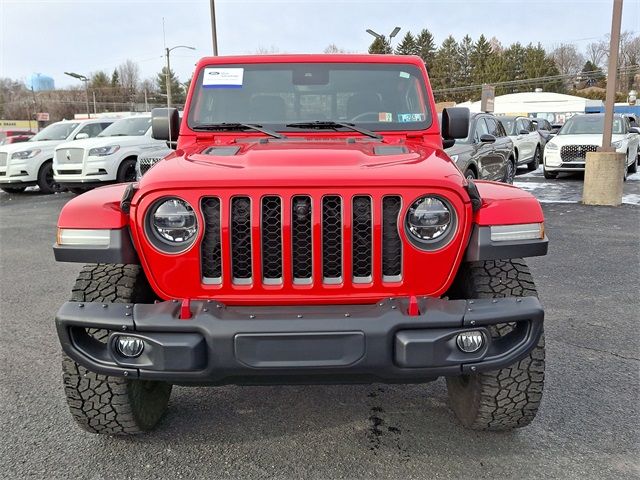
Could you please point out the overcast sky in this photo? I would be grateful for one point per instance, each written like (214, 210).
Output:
(51, 36)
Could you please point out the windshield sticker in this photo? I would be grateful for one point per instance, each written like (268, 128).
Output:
(222, 77)
(404, 75)
(411, 117)
(385, 117)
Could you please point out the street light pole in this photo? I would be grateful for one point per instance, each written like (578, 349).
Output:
(85, 79)
(214, 33)
(168, 73)
(380, 37)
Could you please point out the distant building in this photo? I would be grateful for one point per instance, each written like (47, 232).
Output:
(39, 83)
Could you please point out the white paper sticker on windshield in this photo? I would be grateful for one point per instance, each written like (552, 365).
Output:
(222, 77)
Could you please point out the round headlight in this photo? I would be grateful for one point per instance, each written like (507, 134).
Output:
(430, 220)
(173, 222)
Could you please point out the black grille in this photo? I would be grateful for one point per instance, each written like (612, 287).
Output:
(210, 249)
(332, 237)
(576, 153)
(301, 238)
(362, 237)
(391, 243)
(241, 239)
(271, 238)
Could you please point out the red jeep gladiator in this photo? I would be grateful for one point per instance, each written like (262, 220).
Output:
(309, 228)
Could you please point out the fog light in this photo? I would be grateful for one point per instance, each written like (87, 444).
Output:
(470, 342)
(129, 346)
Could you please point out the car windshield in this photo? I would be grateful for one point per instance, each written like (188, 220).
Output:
(589, 124)
(133, 126)
(379, 97)
(57, 131)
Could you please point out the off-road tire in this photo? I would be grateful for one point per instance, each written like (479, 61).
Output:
(13, 189)
(510, 397)
(535, 163)
(46, 183)
(101, 403)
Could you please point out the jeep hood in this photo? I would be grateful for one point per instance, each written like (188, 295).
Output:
(307, 163)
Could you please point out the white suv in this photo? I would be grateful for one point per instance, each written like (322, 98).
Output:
(30, 163)
(527, 142)
(108, 158)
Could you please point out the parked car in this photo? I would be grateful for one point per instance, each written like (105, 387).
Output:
(108, 158)
(544, 128)
(333, 241)
(487, 152)
(583, 133)
(148, 159)
(31, 163)
(527, 143)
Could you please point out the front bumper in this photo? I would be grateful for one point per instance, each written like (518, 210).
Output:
(311, 344)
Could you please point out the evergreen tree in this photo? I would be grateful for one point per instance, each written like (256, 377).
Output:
(115, 78)
(513, 65)
(426, 47)
(380, 45)
(480, 59)
(465, 54)
(177, 90)
(538, 64)
(591, 75)
(446, 71)
(407, 46)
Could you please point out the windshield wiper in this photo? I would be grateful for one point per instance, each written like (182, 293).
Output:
(322, 124)
(238, 126)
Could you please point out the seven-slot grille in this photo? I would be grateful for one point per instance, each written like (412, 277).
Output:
(3, 159)
(576, 153)
(70, 155)
(292, 221)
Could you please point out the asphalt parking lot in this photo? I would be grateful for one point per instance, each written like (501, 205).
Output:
(588, 425)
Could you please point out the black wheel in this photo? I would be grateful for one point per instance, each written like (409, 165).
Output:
(507, 398)
(548, 174)
(535, 163)
(13, 189)
(101, 403)
(469, 174)
(46, 183)
(510, 173)
(77, 190)
(127, 171)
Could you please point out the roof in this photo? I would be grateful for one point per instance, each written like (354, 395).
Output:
(313, 58)
(536, 102)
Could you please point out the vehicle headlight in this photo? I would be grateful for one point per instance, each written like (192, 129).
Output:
(104, 151)
(552, 146)
(454, 158)
(23, 155)
(617, 144)
(172, 224)
(430, 222)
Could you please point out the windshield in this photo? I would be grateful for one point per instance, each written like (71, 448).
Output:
(589, 124)
(133, 126)
(372, 96)
(57, 131)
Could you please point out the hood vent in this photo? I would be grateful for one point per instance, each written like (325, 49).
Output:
(390, 150)
(229, 151)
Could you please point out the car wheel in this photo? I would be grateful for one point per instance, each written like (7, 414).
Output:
(13, 189)
(507, 398)
(535, 163)
(102, 403)
(46, 183)
(127, 171)
(470, 174)
(510, 174)
(548, 174)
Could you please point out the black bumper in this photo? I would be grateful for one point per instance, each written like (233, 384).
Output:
(309, 344)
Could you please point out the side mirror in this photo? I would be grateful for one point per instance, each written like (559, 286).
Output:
(486, 138)
(165, 124)
(634, 130)
(455, 124)
(81, 136)
(524, 132)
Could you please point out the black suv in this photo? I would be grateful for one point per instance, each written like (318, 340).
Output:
(487, 152)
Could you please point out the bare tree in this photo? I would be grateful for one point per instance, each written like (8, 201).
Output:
(129, 78)
(333, 48)
(567, 58)
(597, 52)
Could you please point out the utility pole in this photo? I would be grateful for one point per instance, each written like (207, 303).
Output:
(214, 33)
(605, 168)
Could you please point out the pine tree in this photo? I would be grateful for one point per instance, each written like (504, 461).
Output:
(407, 46)
(380, 45)
(447, 66)
(426, 47)
(465, 54)
(177, 91)
(480, 59)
